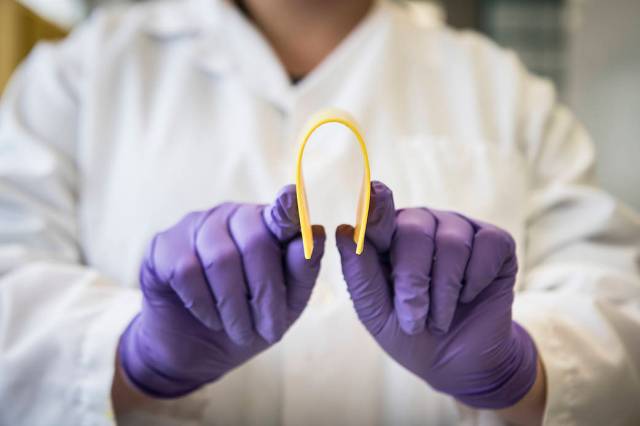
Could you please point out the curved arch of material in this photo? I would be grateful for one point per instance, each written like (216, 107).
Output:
(317, 120)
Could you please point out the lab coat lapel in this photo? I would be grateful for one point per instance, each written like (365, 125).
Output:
(234, 50)
(241, 52)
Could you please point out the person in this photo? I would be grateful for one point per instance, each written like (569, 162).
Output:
(149, 276)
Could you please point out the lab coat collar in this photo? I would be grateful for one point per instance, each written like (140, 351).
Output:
(247, 50)
(227, 43)
(253, 52)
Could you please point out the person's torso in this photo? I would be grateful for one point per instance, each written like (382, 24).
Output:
(175, 120)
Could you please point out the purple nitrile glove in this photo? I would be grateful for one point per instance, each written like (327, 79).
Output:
(219, 287)
(435, 290)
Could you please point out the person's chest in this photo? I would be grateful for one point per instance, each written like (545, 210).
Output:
(173, 138)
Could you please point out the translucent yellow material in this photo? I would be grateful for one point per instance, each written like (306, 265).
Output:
(317, 120)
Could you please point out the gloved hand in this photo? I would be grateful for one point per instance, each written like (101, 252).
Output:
(219, 287)
(435, 290)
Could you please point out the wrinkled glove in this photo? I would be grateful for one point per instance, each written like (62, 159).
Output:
(435, 290)
(219, 287)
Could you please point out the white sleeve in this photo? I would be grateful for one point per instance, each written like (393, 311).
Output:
(59, 320)
(580, 289)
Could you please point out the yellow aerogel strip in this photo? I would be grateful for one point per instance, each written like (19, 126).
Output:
(317, 120)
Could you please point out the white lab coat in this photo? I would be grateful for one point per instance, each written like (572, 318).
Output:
(148, 112)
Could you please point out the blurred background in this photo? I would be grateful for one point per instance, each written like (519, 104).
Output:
(589, 48)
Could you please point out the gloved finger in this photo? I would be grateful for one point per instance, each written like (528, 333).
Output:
(223, 270)
(493, 255)
(262, 260)
(412, 250)
(365, 280)
(281, 217)
(381, 219)
(301, 274)
(453, 240)
(171, 258)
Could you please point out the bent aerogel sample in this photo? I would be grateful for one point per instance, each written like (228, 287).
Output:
(341, 117)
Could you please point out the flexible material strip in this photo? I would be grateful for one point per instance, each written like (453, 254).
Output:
(317, 120)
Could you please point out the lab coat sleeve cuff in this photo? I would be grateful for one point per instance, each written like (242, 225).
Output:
(97, 358)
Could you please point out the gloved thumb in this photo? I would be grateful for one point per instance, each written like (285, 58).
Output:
(382, 217)
(366, 281)
(281, 217)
